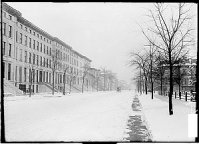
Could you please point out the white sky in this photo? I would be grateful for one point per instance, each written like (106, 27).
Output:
(103, 32)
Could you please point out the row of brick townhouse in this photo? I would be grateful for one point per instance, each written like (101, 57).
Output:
(26, 48)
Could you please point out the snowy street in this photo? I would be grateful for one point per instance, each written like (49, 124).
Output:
(98, 116)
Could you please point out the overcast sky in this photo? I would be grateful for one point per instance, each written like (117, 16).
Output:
(103, 32)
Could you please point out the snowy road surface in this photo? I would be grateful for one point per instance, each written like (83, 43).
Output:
(94, 116)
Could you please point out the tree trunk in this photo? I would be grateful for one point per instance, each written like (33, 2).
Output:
(53, 83)
(152, 89)
(30, 83)
(64, 84)
(171, 85)
(140, 83)
(104, 83)
(70, 85)
(146, 85)
(151, 82)
(83, 85)
(97, 85)
(30, 90)
(179, 88)
(161, 84)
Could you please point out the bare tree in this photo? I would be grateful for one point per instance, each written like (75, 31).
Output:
(53, 64)
(86, 69)
(104, 74)
(159, 70)
(95, 78)
(72, 77)
(32, 73)
(172, 35)
(142, 62)
(151, 53)
(65, 70)
(111, 77)
(31, 78)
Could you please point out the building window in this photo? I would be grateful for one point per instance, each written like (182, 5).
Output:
(47, 77)
(40, 47)
(9, 71)
(41, 37)
(21, 26)
(30, 75)
(61, 78)
(20, 54)
(4, 69)
(21, 38)
(10, 17)
(50, 51)
(44, 62)
(10, 31)
(34, 33)
(30, 58)
(16, 74)
(30, 31)
(20, 74)
(16, 36)
(40, 76)
(4, 48)
(26, 40)
(37, 78)
(37, 60)
(47, 50)
(40, 60)
(4, 28)
(33, 75)
(44, 49)
(47, 63)
(44, 76)
(30, 42)
(33, 58)
(26, 56)
(38, 35)
(34, 44)
(10, 48)
(25, 71)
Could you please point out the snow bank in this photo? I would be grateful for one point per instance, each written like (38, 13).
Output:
(167, 127)
(97, 116)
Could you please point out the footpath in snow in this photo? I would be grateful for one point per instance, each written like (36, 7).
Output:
(97, 116)
(165, 127)
(137, 128)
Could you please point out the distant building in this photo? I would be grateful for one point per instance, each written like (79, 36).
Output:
(188, 78)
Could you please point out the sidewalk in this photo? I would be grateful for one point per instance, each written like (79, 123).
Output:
(165, 127)
(137, 129)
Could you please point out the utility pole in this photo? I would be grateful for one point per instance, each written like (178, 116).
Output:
(151, 67)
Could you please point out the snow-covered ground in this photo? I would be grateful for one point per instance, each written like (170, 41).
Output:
(97, 116)
(163, 126)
